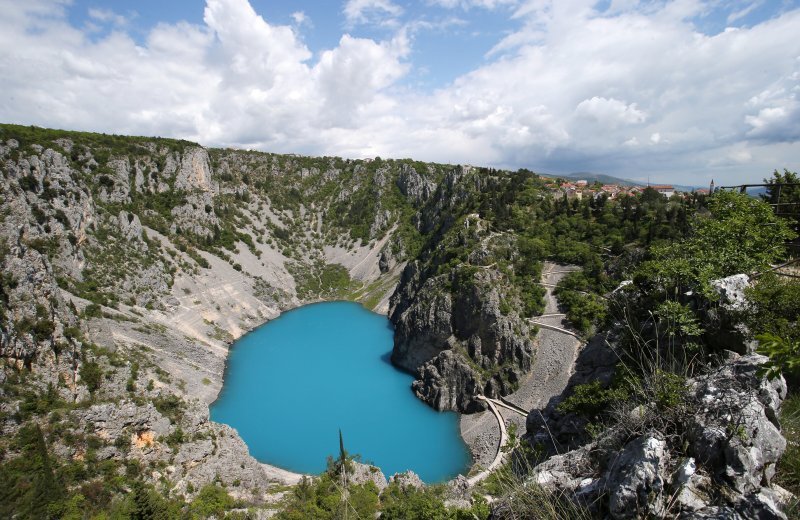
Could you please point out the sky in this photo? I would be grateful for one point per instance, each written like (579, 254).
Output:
(676, 91)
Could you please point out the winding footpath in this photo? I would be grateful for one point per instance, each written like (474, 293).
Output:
(498, 459)
(557, 349)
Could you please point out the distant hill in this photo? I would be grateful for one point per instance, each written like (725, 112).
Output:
(610, 179)
(602, 178)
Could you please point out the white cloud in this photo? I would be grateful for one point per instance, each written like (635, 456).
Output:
(610, 113)
(468, 4)
(301, 18)
(107, 16)
(371, 11)
(744, 11)
(350, 76)
(637, 91)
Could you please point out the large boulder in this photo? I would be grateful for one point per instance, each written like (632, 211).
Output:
(637, 479)
(735, 434)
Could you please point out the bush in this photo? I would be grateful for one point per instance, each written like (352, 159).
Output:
(774, 307)
(29, 183)
(91, 374)
(170, 406)
(591, 399)
(784, 356)
(410, 503)
(212, 501)
(742, 235)
(92, 310)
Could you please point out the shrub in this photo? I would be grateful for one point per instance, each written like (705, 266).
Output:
(410, 503)
(170, 406)
(591, 399)
(784, 355)
(29, 183)
(774, 307)
(91, 374)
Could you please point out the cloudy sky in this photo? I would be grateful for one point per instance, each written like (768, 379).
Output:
(675, 91)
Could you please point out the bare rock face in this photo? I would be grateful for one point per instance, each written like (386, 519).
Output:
(725, 329)
(422, 330)
(736, 434)
(222, 454)
(637, 478)
(458, 343)
(363, 473)
(194, 172)
(731, 291)
(408, 479)
(130, 225)
(723, 472)
(414, 186)
(447, 383)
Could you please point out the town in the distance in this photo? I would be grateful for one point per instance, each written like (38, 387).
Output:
(582, 188)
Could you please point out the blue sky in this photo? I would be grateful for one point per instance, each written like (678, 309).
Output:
(672, 90)
(447, 42)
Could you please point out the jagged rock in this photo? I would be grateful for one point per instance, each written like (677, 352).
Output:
(734, 442)
(447, 383)
(194, 172)
(381, 222)
(120, 191)
(723, 323)
(223, 456)
(407, 479)
(422, 331)
(693, 495)
(759, 506)
(731, 291)
(384, 262)
(736, 434)
(449, 338)
(636, 480)
(129, 225)
(458, 493)
(363, 473)
(569, 473)
(414, 186)
(111, 421)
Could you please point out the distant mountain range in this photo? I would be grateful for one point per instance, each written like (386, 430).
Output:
(609, 179)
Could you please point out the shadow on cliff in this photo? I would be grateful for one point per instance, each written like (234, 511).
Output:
(556, 431)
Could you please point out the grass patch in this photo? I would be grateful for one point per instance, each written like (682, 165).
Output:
(788, 470)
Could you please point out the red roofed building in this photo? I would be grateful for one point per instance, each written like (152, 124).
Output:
(666, 190)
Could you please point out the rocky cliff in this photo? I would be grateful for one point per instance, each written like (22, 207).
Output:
(130, 264)
(457, 309)
(718, 463)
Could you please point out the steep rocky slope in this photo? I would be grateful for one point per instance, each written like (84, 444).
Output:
(130, 264)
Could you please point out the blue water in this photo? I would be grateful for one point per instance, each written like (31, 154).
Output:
(291, 384)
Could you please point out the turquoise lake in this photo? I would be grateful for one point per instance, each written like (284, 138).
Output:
(291, 384)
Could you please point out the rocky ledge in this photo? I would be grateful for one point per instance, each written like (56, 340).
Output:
(718, 465)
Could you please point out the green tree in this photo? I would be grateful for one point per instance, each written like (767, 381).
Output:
(410, 503)
(91, 374)
(212, 500)
(741, 235)
(783, 194)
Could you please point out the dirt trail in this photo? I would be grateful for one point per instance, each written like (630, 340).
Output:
(553, 364)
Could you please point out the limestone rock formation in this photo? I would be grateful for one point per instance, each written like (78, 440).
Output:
(407, 479)
(363, 473)
(722, 471)
(458, 342)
